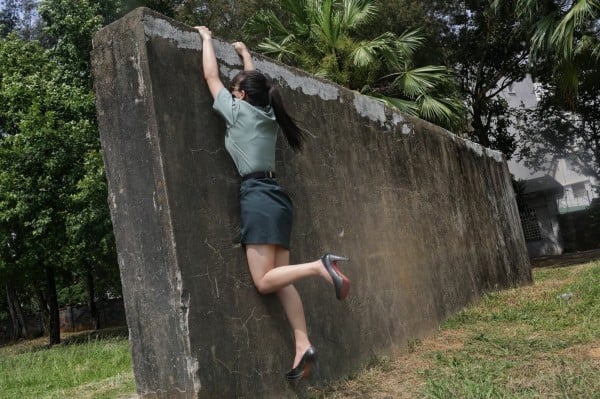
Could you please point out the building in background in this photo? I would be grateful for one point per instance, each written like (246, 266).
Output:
(546, 194)
(578, 189)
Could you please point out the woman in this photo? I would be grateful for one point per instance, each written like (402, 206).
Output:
(253, 113)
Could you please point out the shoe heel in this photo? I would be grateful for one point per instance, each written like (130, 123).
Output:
(345, 284)
(335, 258)
(306, 373)
(304, 368)
(340, 282)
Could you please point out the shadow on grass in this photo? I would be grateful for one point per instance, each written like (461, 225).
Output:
(95, 335)
(41, 343)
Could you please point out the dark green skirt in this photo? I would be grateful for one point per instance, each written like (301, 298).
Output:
(266, 213)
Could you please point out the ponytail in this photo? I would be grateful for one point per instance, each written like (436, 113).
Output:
(291, 131)
(261, 93)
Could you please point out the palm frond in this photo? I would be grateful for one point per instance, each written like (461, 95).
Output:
(567, 81)
(357, 13)
(363, 55)
(541, 38)
(326, 22)
(298, 8)
(408, 43)
(407, 106)
(563, 35)
(266, 23)
(596, 50)
(418, 81)
(527, 9)
(275, 49)
(368, 51)
(447, 112)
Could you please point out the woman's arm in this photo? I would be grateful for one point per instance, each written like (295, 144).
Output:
(243, 52)
(209, 62)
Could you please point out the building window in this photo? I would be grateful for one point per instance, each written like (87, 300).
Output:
(511, 90)
(530, 224)
(579, 190)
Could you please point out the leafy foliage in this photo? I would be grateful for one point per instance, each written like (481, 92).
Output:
(486, 47)
(564, 38)
(550, 132)
(224, 17)
(322, 38)
(565, 56)
(53, 210)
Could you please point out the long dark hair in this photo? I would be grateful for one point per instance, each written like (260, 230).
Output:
(260, 92)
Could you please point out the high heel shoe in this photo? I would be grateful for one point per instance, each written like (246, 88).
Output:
(303, 369)
(340, 282)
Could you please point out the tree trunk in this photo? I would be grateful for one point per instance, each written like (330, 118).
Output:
(44, 310)
(54, 328)
(479, 131)
(18, 310)
(14, 334)
(91, 302)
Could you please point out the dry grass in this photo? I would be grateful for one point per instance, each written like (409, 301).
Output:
(495, 350)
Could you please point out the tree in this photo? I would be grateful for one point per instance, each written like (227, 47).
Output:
(19, 16)
(486, 47)
(92, 250)
(225, 18)
(565, 54)
(49, 137)
(89, 248)
(9, 17)
(564, 37)
(321, 37)
(552, 132)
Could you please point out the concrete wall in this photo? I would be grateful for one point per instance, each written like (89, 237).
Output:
(429, 220)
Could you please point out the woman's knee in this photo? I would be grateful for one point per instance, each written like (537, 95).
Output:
(263, 287)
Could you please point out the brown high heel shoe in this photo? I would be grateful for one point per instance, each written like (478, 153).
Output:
(340, 282)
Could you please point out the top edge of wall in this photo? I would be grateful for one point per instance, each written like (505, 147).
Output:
(185, 37)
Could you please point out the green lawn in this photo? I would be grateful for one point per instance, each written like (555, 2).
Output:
(86, 365)
(539, 341)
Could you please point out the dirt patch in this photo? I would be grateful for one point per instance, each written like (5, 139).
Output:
(588, 352)
(400, 378)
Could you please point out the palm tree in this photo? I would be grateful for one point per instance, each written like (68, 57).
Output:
(566, 34)
(320, 36)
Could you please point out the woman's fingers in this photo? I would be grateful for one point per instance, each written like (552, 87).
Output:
(204, 31)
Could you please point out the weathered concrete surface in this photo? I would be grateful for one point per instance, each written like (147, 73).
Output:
(429, 220)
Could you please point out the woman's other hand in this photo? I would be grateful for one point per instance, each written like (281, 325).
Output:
(205, 33)
(243, 52)
(240, 48)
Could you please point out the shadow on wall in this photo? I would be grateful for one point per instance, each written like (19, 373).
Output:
(581, 230)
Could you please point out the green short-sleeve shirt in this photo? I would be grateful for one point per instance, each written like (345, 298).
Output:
(251, 133)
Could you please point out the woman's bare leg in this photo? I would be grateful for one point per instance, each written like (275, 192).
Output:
(271, 272)
(292, 304)
(270, 279)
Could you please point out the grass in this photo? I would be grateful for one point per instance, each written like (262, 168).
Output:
(88, 365)
(528, 342)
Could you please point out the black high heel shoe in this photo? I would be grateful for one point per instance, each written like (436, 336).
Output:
(303, 369)
(340, 282)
